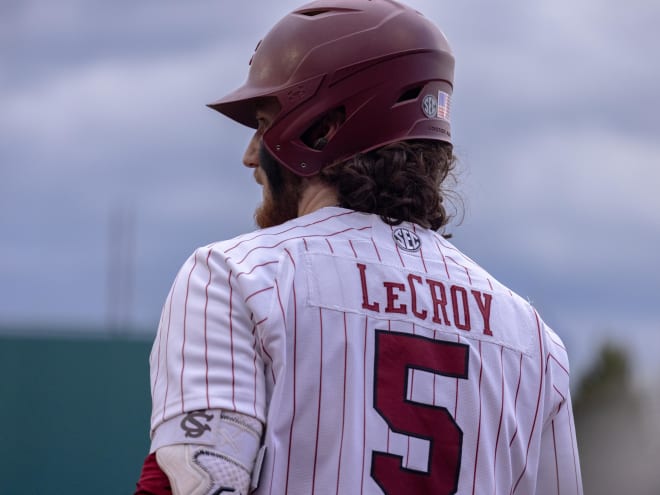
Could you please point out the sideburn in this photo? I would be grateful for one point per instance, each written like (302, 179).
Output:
(281, 204)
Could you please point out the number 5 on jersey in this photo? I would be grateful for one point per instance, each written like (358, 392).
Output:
(396, 355)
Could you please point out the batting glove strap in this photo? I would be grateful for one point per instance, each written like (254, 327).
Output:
(232, 436)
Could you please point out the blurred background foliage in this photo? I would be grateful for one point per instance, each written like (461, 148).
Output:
(618, 427)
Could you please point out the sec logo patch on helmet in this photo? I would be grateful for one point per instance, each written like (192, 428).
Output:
(430, 106)
(407, 240)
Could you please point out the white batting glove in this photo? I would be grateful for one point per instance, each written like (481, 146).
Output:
(224, 460)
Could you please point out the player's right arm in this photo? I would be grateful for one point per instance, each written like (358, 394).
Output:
(207, 382)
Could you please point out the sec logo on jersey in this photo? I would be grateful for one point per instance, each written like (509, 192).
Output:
(407, 240)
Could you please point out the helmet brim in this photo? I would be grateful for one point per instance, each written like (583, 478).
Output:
(241, 104)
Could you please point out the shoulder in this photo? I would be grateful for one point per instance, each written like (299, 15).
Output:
(516, 314)
(268, 246)
(327, 221)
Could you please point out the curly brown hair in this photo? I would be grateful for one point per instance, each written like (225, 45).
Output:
(403, 181)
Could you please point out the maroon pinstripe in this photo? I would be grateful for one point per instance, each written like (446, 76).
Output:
(554, 447)
(499, 423)
(444, 259)
(231, 340)
(185, 327)
(260, 291)
(364, 403)
(576, 470)
(476, 448)
(318, 413)
(421, 251)
(515, 406)
(538, 404)
(293, 398)
(254, 364)
(343, 401)
(206, 344)
(376, 249)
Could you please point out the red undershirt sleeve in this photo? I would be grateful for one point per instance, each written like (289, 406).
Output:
(153, 481)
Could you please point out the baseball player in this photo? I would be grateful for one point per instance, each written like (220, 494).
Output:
(347, 346)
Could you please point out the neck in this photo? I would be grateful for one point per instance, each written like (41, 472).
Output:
(316, 195)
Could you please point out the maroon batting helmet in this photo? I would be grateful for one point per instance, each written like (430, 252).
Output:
(384, 64)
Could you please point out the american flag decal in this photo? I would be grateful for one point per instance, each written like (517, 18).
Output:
(444, 105)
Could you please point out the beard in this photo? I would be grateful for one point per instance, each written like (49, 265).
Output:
(282, 192)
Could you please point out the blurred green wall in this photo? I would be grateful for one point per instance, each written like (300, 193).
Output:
(74, 415)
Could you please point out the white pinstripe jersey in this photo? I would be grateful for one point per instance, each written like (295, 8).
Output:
(381, 359)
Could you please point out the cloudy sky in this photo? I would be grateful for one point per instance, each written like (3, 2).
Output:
(102, 123)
